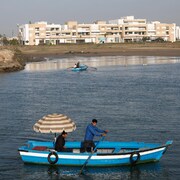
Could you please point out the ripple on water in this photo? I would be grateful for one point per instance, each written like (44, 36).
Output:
(135, 103)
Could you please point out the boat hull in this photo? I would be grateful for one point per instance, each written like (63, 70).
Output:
(81, 68)
(97, 159)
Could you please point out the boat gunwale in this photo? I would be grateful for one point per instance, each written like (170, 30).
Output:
(97, 154)
(81, 68)
(138, 151)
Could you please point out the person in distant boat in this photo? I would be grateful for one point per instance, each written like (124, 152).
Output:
(60, 142)
(92, 131)
(77, 65)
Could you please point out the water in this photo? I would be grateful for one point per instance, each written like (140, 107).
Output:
(134, 102)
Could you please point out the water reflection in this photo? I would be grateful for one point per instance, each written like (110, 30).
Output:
(64, 63)
(62, 172)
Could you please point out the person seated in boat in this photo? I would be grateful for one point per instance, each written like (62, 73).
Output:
(77, 65)
(60, 142)
(92, 131)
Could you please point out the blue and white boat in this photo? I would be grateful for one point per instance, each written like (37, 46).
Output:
(82, 67)
(107, 153)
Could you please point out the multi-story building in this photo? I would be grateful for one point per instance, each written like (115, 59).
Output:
(178, 33)
(132, 29)
(115, 31)
(165, 31)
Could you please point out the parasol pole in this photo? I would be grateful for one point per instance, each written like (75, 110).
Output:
(54, 137)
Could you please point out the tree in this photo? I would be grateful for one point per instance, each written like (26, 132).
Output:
(14, 42)
(5, 40)
(144, 39)
(0, 39)
(159, 39)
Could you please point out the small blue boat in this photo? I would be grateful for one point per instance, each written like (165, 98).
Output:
(80, 68)
(107, 154)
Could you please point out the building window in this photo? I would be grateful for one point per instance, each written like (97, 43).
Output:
(41, 41)
(47, 41)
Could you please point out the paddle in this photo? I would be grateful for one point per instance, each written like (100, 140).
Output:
(84, 165)
(70, 67)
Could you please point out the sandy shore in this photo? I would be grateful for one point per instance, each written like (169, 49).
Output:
(33, 53)
(23, 54)
(38, 53)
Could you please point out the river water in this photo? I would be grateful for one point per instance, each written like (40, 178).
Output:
(135, 98)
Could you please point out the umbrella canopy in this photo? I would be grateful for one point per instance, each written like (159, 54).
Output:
(54, 123)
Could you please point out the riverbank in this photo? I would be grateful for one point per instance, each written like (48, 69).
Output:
(35, 53)
(22, 54)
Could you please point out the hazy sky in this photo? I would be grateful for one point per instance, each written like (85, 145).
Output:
(13, 12)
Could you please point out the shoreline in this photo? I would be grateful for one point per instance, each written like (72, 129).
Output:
(37, 57)
(20, 55)
(36, 53)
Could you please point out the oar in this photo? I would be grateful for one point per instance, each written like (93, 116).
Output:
(84, 165)
(92, 68)
(70, 67)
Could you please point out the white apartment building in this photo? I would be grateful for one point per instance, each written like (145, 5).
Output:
(126, 29)
(132, 29)
(165, 31)
(178, 33)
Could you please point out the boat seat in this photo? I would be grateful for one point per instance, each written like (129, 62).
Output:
(76, 150)
(40, 148)
(105, 150)
(82, 148)
(51, 150)
(123, 150)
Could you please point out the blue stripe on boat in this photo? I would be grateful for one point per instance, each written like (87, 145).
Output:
(108, 153)
(81, 68)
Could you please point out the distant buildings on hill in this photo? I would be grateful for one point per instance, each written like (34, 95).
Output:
(125, 29)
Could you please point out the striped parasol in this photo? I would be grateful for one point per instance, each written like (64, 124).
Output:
(54, 123)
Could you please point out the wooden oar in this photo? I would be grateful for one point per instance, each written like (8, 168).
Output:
(84, 165)
(70, 67)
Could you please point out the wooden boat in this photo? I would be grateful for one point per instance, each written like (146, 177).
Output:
(107, 154)
(80, 68)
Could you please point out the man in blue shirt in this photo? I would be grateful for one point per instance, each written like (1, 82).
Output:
(92, 131)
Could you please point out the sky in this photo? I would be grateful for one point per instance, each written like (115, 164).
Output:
(13, 12)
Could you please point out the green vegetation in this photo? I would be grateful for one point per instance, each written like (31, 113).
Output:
(4, 41)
